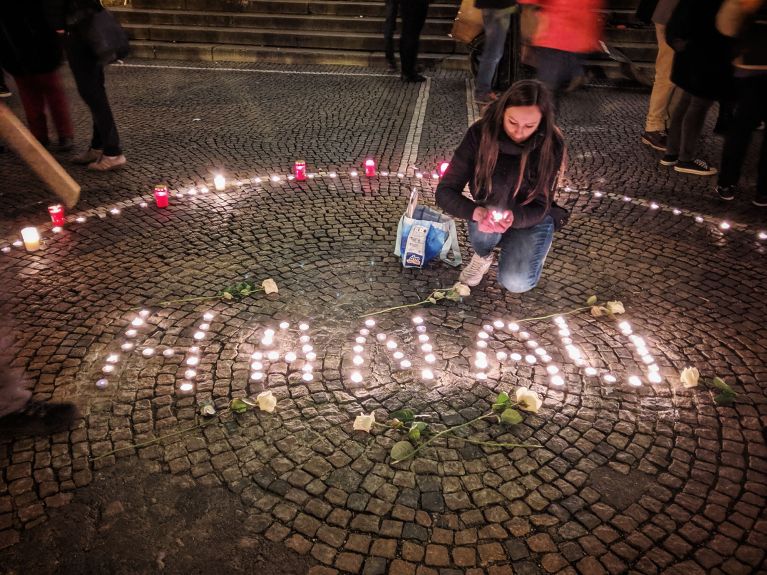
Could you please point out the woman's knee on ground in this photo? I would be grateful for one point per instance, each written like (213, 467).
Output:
(516, 283)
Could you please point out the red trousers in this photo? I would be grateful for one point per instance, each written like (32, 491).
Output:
(36, 91)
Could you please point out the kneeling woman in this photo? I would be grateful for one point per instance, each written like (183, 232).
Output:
(511, 159)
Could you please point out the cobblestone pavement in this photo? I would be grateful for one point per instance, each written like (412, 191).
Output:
(647, 479)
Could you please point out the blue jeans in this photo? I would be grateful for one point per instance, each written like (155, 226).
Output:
(496, 24)
(523, 252)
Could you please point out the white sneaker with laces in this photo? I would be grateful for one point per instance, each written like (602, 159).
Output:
(107, 163)
(473, 273)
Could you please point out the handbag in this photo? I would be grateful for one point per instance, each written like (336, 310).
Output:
(104, 36)
(424, 234)
(468, 23)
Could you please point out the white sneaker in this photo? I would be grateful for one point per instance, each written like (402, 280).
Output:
(473, 273)
(106, 163)
(87, 157)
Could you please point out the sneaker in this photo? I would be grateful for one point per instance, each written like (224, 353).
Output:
(669, 160)
(107, 163)
(413, 78)
(696, 167)
(726, 193)
(656, 140)
(473, 273)
(40, 418)
(760, 201)
(87, 157)
(5, 92)
(391, 64)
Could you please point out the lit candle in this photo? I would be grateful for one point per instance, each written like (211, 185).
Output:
(299, 169)
(219, 182)
(31, 238)
(353, 173)
(370, 167)
(186, 387)
(161, 195)
(356, 377)
(57, 214)
(443, 168)
(290, 357)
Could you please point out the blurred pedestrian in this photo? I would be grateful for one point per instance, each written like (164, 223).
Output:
(4, 91)
(496, 19)
(511, 159)
(566, 31)
(656, 122)
(745, 20)
(31, 52)
(413, 15)
(390, 25)
(67, 17)
(701, 73)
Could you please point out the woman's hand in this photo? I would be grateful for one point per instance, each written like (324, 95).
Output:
(496, 222)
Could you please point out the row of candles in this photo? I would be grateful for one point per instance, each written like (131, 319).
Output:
(31, 239)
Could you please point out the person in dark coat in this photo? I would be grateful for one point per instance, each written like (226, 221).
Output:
(66, 17)
(31, 52)
(390, 25)
(413, 15)
(496, 18)
(701, 73)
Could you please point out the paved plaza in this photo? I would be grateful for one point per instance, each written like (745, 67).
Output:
(633, 475)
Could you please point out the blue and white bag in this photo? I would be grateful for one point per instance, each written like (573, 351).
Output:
(424, 234)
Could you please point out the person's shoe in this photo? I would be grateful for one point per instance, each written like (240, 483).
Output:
(107, 163)
(391, 64)
(696, 167)
(656, 140)
(473, 273)
(413, 78)
(40, 418)
(5, 92)
(726, 193)
(669, 160)
(485, 99)
(65, 145)
(87, 157)
(760, 201)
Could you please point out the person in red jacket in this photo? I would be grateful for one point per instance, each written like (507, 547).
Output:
(566, 30)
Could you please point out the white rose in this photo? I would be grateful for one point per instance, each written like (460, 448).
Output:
(528, 400)
(615, 307)
(462, 289)
(269, 286)
(689, 376)
(364, 422)
(266, 401)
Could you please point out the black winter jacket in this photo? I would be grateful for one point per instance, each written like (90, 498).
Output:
(28, 45)
(450, 196)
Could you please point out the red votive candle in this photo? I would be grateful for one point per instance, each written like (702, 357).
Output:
(57, 214)
(443, 168)
(370, 168)
(299, 170)
(161, 195)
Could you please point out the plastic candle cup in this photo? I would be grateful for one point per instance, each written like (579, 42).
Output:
(299, 170)
(219, 182)
(161, 195)
(31, 238)
(57, 215)
(370, 168)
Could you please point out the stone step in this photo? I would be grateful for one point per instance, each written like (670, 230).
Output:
(253, 21)
(444, 9)
(308, 39)
(201, 52)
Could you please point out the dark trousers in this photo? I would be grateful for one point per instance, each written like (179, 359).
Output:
(89, 77)
(688, 114)
(413, 14)
(37, 91)
(750, 109)
(557, 68)
(390, 25)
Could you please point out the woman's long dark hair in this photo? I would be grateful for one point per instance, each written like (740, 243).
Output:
(547, 139)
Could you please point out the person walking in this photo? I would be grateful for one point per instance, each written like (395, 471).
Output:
(390, 25)
(496, 19)
(656, 122)
(566, 31)
(413, 15)
(745, 20)
(701, 73)
(31, 52)
(104, 153)
(511, 159)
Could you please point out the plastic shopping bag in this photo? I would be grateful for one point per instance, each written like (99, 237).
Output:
(424, 234)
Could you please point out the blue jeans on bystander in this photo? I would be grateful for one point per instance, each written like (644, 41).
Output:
(496, 24)
(523, 252)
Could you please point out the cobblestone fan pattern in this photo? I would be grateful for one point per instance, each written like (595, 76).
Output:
(645, 479)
